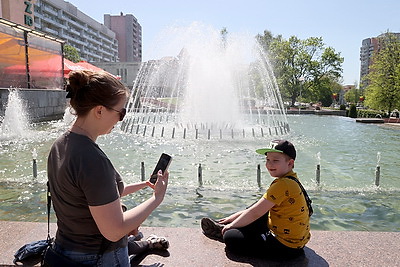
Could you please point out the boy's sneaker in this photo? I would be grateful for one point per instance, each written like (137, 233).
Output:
(212, 229)
(157, 242)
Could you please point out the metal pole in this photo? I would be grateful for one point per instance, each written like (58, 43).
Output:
(200, 175)
(378, 169)
(258, 175)
(377, 175)
(142, 171)
(318, 170)
(34, 163)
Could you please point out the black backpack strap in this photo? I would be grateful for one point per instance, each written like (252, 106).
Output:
(308, 200)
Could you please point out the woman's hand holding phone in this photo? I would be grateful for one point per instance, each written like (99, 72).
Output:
(160, 187)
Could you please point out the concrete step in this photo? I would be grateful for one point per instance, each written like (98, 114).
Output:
(189, 247)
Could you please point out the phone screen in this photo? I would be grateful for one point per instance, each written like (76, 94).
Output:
(162, 165)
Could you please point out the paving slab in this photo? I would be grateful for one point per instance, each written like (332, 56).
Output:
(189, 247)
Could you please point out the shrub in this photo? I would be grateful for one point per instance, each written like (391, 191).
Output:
(369, 113)
(353, 111)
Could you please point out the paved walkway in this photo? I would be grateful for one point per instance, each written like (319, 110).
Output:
(189, 247)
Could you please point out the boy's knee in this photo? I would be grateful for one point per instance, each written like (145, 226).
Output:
(234, 240)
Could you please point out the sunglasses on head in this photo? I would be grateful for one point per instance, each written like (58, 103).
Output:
(121, 112)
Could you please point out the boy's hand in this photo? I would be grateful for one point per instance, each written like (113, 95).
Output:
(224, 220)
(226, 228)
(230, 218)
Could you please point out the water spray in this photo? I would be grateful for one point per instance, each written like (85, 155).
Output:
(210, 88)
(34, 163)
(378, 169)
(318, 170)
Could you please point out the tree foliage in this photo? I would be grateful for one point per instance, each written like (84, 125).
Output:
(303, 68)
(383, 90)
(71, 53)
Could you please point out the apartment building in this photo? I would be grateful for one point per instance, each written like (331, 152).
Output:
(129, 35)
(93, 40)
(368, 47)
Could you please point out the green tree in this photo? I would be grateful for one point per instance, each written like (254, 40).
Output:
(383, 90)
(71, 53)
(303, 68)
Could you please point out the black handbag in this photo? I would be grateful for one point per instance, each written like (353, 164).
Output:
(31, 253)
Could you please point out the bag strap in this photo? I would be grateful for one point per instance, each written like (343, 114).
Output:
(308, 200)
(105, 243)
(48, 210)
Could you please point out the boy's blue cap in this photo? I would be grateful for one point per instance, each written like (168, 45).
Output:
(281, 146)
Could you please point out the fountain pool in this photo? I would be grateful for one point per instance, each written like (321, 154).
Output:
(346, 199)
(248, 114)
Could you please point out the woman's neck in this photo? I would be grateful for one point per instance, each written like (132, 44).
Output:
(80, 127)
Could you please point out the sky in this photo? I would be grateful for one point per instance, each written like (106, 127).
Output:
(342, 24)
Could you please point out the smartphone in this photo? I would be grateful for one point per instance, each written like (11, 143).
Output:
(162, 165)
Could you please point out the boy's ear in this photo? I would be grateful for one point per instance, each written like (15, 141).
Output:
(291, 162)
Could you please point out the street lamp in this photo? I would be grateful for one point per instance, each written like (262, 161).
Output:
(301, 80)
(334, 95)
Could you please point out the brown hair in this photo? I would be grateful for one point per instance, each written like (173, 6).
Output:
(88, 89)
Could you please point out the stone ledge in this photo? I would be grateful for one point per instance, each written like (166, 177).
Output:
(189, 247)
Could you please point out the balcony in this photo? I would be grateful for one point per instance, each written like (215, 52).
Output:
(50, 10)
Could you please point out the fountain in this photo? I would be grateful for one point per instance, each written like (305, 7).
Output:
(216, 176)
(15, 122)
(216, 87)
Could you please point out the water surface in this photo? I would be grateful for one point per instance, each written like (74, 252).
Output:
(346, 199)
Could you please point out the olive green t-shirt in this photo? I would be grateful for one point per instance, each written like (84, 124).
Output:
(288, 219)
(80, 175)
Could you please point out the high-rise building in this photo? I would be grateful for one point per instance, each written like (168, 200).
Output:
(368, 48)
(93, 40)
(129, 35)
(116, 47)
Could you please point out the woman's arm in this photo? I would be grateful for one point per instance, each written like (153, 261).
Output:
(114, 224)
(250, 215)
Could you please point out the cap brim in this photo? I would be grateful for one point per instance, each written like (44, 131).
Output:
(262, 151)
